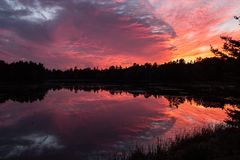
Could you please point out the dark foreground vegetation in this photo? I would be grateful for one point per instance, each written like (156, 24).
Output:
(224, 67)
(213, 143)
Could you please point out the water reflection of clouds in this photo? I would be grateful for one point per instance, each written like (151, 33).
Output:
(190, 116)
(36, 143)
(93, 122)
(89, 120)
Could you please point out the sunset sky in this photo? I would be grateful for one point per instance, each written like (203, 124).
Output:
(91, 33)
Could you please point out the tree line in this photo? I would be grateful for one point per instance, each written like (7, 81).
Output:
(207, 69)
(22, 72)
(224, 67)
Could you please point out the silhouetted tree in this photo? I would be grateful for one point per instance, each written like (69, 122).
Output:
(234, 117)
(22, 72)
(231, 48)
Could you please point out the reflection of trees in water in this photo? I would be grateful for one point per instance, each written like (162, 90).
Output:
(175, 101)
(23, 94)
(233, 117)
(205, 101)
(174, 96)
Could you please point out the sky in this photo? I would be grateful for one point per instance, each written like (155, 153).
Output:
(100, 33)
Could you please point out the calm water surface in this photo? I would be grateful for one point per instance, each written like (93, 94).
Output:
(95, 123)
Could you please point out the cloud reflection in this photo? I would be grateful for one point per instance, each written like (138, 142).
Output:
(89, 122)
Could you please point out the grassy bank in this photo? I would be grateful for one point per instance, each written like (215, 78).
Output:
(218, 143)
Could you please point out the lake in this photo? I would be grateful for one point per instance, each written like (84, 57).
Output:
(93, 122)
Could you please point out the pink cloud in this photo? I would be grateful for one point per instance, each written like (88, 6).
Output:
(88, 33)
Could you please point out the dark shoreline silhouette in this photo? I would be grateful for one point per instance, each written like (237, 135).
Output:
(206, 96)
(202, 70)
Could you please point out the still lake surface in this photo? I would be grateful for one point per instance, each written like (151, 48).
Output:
(93, 123)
